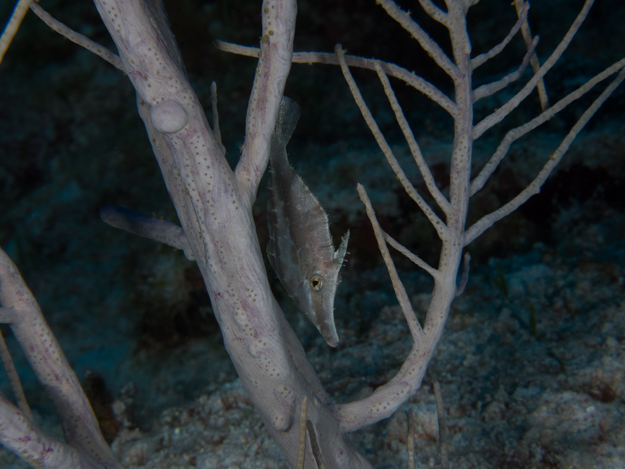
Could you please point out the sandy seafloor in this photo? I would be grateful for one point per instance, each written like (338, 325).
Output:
(532, 362)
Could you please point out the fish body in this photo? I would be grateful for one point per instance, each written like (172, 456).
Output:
(300, 247)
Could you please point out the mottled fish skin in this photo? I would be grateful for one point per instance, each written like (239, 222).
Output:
(300, 247)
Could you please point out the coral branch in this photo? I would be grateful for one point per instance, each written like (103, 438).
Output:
(21, 312)
(507, 108)
(274, 64)
(518, 132)
(433, 49)
(77, 38)
(19, 434)
(491, 88)
(482, 58)
(439, 226)
(440, 199)
(19, 12)
(390, 69)
(534, 187)
(152, 228)
(400, 291)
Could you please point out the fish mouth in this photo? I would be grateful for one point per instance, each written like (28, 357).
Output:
(327, 325)
(328, 331)
(322, 316)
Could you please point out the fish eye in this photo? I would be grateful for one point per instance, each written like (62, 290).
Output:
(316, 282)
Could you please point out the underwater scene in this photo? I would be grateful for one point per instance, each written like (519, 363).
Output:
(531, 365)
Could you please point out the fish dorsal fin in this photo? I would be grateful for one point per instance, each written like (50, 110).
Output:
(339, 254)
(288, 115)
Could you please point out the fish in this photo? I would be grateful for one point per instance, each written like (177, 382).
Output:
(300, 248)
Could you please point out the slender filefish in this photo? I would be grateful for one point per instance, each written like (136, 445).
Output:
(300, 247)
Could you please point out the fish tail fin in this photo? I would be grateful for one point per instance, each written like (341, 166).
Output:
(288, 115)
